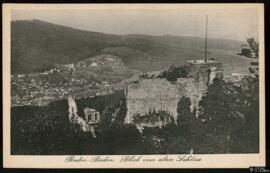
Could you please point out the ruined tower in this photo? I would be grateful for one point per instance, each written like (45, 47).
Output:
(160, 94)
(202, 73)
(72, 107)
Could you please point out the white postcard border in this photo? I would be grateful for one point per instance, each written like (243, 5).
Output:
(56, 161)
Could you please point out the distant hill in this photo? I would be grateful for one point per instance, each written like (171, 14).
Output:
(38, 45)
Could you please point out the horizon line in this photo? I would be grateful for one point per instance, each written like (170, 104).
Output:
(129, 34)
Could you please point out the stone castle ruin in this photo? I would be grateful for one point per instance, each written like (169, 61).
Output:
(87, 124)
(160, 94)
(201, 76)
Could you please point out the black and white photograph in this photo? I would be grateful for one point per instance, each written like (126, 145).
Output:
(133, 81)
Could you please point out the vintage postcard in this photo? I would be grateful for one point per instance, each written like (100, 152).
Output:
(133, 85)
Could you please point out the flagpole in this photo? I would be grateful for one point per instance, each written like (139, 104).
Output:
(205, 51)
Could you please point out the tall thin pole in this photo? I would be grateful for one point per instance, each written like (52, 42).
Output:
(205, 51)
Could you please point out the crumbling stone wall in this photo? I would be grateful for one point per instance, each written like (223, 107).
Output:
(151, 94)
(188, 88)
(159, 94)
(201, 76)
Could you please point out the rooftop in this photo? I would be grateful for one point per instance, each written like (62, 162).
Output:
(201, 61)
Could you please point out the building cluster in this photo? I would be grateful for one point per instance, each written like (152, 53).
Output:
(41, 88)
(26, 91)
(99, 62)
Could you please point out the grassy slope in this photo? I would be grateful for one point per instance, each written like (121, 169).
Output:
(37, 45)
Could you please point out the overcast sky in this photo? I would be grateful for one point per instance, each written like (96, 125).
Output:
(222, 23)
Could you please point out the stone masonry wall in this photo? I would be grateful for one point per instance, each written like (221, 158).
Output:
(147, 94)
(160, 94)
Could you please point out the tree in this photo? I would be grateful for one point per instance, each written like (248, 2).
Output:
(253, 45)
(248, 133)
(217, 116)
(184, 114)
(122, 111)
(246, 52)
(159, 133)
(153, 118)
(106, 117)
(46, 130)
(191, 129)
(119, 139)
(173, 73)
(231, 116)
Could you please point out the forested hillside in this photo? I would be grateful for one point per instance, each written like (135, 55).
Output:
(38, 45)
